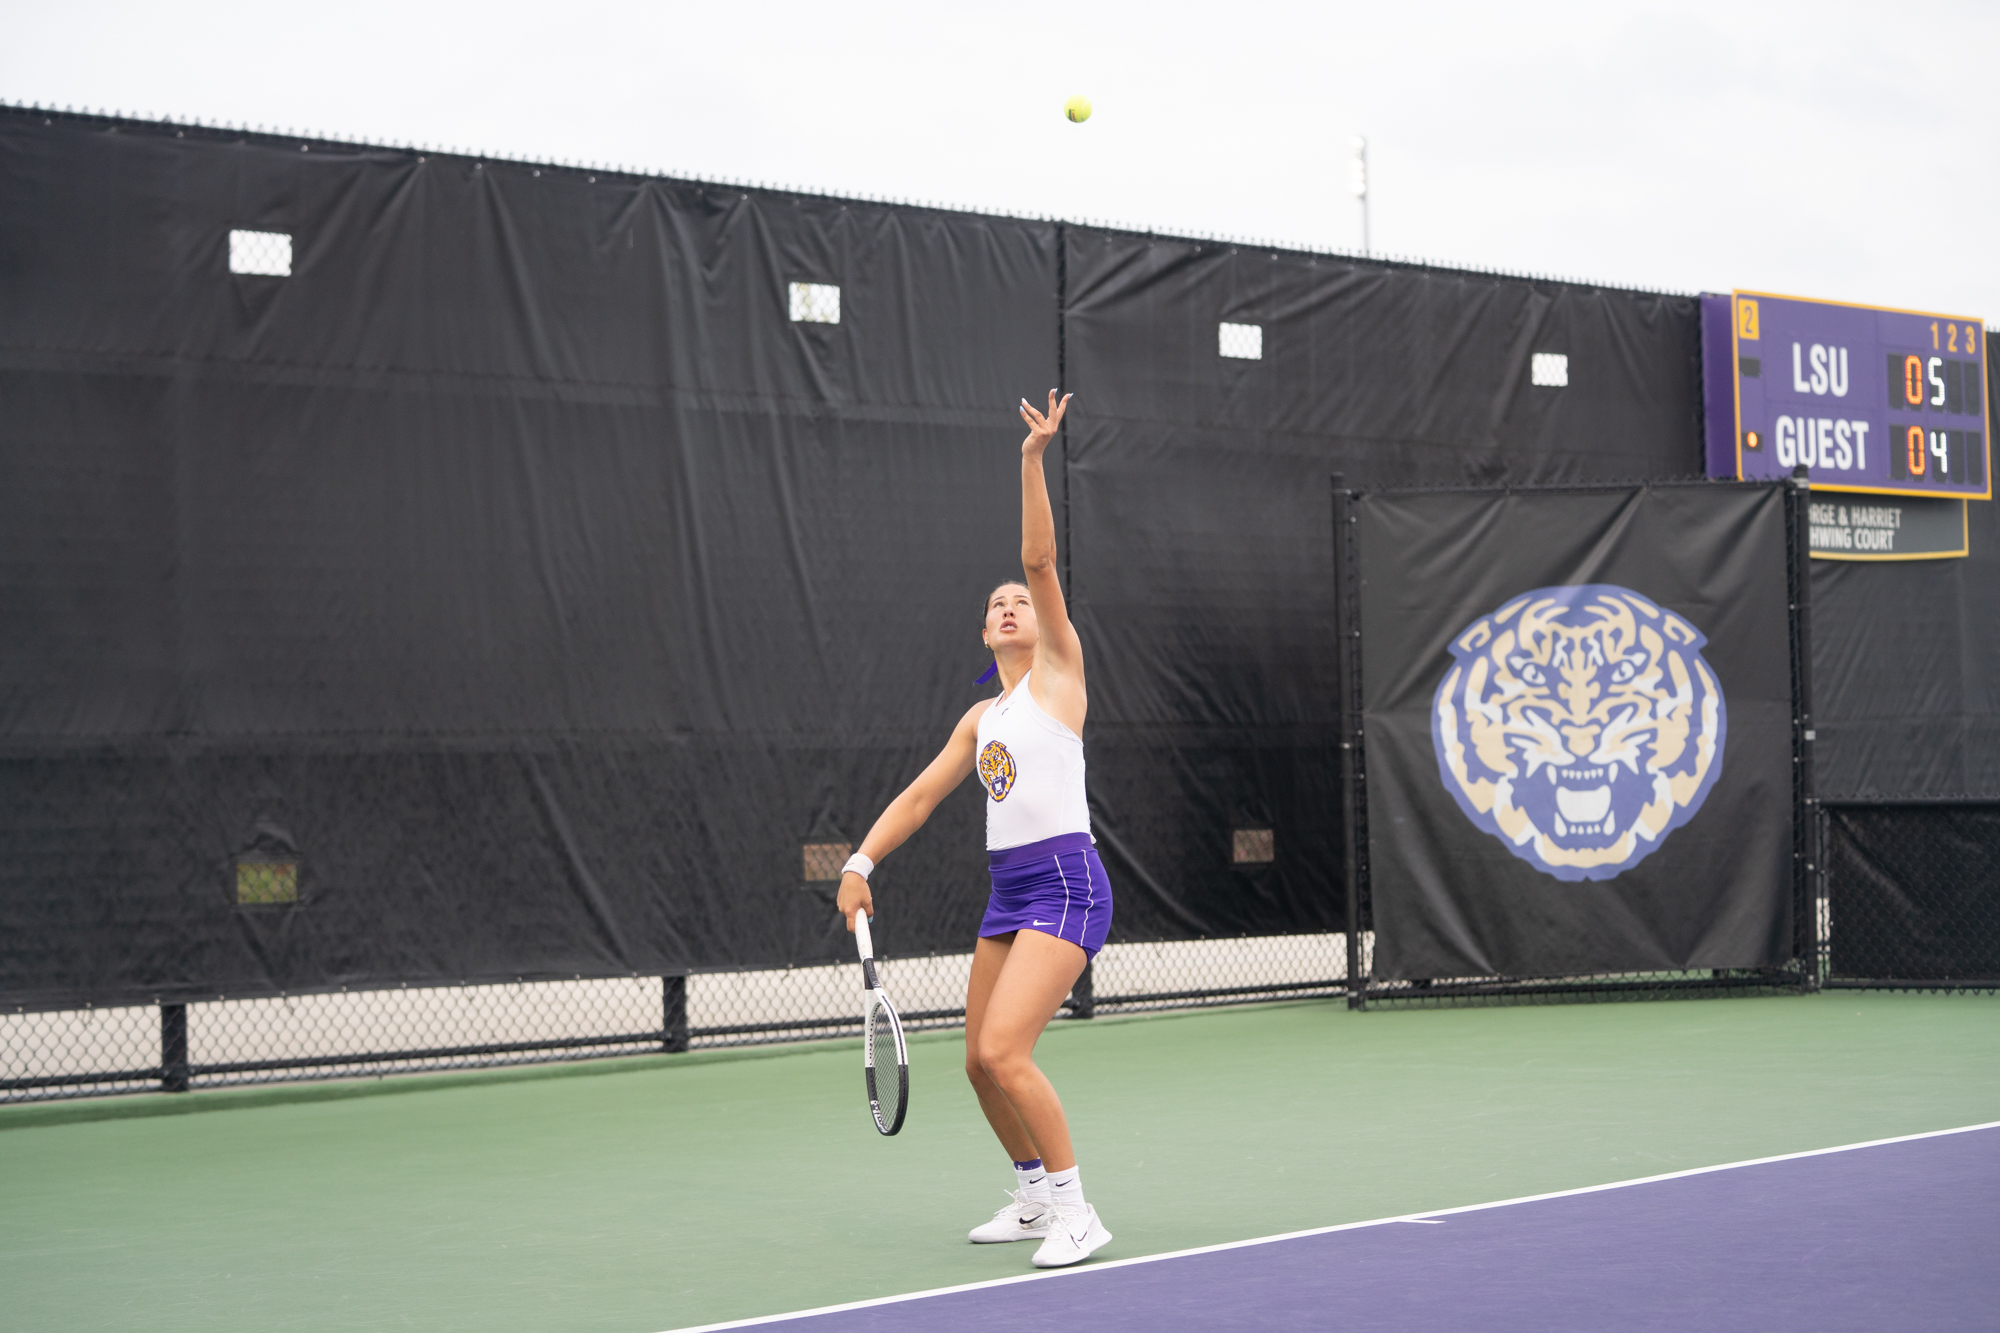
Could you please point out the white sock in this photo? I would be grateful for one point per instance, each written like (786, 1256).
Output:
(1032, 1181)
(1066, 1190)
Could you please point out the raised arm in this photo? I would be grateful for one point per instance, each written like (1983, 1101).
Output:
(907, 813)
(1058, 654)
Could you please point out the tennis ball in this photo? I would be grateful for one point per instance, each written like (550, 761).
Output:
(1077, 108)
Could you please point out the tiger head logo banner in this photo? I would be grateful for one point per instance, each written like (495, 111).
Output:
(1580, 726)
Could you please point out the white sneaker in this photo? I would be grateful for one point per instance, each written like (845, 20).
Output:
(1021, 1219)
(1073, 1237)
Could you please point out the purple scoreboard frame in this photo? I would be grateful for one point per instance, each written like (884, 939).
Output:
(1869, 399)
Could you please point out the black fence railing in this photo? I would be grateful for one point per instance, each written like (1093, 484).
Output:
(352, 1033)
(1907, 898)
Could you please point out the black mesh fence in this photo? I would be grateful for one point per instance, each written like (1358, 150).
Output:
(364, 1033)
(1913, 896)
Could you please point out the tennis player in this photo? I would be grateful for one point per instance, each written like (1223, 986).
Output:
(1051, 904)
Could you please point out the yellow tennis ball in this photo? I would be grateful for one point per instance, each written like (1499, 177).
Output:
(1077, 108)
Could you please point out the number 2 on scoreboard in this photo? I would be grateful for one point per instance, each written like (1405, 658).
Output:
(1951, 338)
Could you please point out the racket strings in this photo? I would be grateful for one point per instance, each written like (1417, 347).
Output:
(888, 1077)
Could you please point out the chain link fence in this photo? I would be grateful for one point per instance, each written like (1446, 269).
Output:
(1909, 900)
(366, 1033)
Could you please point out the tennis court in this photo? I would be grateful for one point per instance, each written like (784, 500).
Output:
(676, 1191)
(1775, 1242)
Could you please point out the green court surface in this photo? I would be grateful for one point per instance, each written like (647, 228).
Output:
(636, 1196)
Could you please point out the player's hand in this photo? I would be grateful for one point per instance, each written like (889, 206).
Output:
(854, 897)
(1042, 426)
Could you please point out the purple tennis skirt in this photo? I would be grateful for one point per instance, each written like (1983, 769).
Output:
(1056, 886)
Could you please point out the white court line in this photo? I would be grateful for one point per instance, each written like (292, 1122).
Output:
(1430, 1216)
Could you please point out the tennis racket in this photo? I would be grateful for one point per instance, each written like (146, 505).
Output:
(882, 1038)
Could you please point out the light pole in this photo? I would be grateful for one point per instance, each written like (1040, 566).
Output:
(1357, 181)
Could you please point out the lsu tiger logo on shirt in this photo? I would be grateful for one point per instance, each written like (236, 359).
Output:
(996, 770)
(1580, 726)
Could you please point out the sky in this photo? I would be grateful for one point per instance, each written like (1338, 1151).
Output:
(1834, 150)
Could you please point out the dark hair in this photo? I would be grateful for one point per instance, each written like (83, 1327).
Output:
(987, 605)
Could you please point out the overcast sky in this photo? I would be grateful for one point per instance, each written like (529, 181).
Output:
(1837, 150)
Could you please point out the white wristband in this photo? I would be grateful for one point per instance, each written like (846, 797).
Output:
(859, 864)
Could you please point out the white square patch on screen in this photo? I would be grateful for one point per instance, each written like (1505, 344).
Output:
(1244, 341)
(815, 303)
(263, 252)
(1550, 370)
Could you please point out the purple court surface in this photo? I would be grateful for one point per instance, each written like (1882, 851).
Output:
(1903, 1234)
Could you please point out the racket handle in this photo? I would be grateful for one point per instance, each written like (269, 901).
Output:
(861, 940)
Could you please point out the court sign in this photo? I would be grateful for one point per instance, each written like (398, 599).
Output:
(1862, 527)
(1868, 400)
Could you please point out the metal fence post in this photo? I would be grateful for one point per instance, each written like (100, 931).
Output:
(1081, 1002)
(1822, 961)
(1346, 635)
(1807, 850)
(674, 1014)
(173, 1048)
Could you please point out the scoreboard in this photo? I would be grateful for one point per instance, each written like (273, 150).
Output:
(1867, 399)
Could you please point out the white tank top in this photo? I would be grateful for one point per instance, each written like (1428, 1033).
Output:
(1032, 768)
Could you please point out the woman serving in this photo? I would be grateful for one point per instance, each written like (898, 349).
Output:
(1051, 903)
